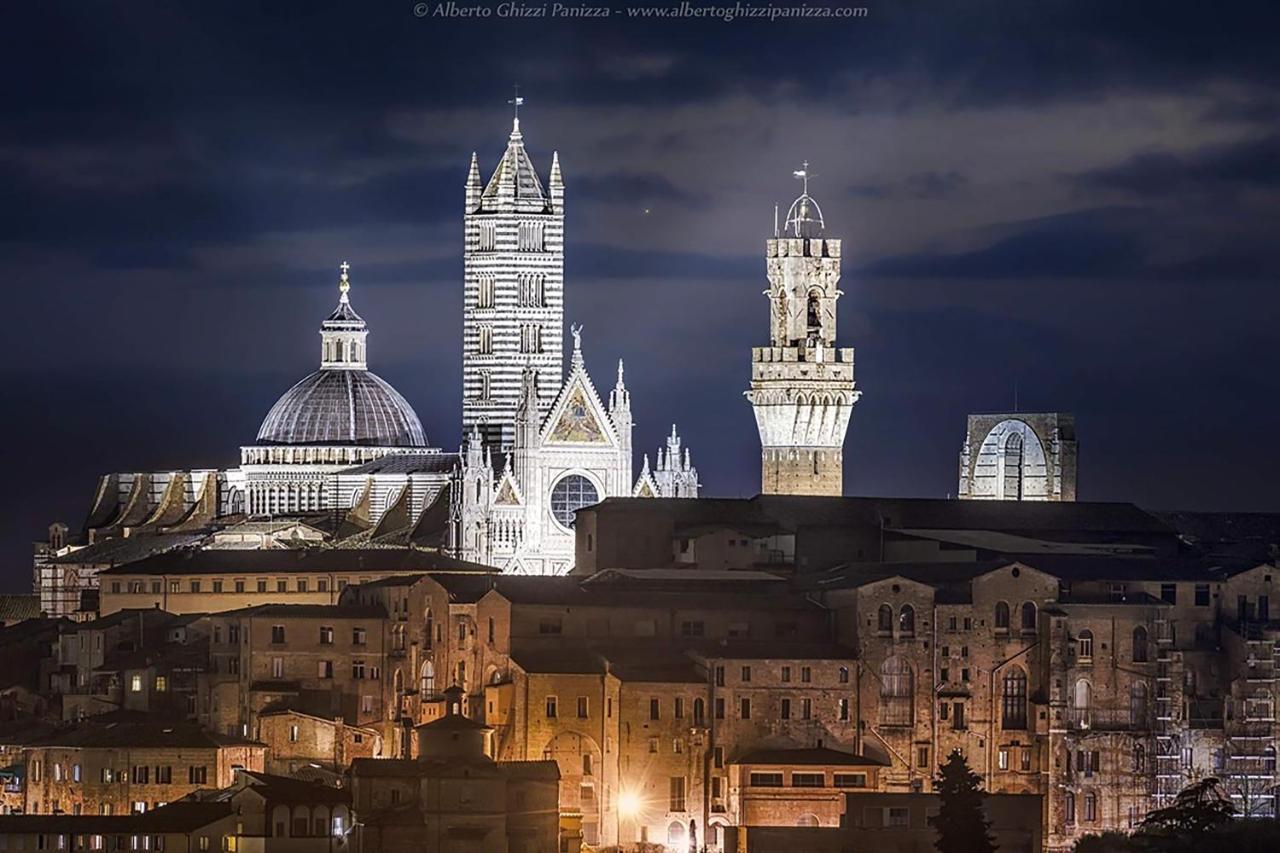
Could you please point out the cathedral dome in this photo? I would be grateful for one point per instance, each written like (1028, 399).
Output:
(342, 402)
(343, 407)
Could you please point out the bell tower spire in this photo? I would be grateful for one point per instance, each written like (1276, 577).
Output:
(344, 332)
(802, 387)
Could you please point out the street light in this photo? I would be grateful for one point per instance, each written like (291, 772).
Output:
(628, 804)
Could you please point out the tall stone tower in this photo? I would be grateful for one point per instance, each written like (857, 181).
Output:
(513, 303)
(802, 387)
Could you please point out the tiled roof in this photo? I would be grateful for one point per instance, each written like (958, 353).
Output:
(126, 549)
(16, 608)
(182, 816)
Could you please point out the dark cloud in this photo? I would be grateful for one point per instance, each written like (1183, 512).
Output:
(1248, 164)
(1092, 244)
(921, 186)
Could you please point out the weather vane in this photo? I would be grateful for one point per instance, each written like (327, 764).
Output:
(517, 101)
(803, 174)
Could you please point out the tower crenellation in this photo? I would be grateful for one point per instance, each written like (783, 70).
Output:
(802, 386)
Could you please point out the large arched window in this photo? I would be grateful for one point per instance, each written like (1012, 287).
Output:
(1138, 706)
(897, 693)
(1013, 467)
(1013, 703)
(1028, 616)
(1002, 616)
(1069, 807)
(907, 621)
(1090, 807)
(884, 620)
(1139, 644)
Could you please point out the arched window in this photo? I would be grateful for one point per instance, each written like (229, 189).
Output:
(1069, 807)
(675, 834)
(1139, 644)
(884, 623)
(1090, 807)
(428, 678)
(1083, 696)
(1269, 761)
(699, 711)
(1028, 616)
(1013, 467)
(814, 312)
(1002, 616)
(907, 621)
(1139, 758)
(1138, 707)
(1084, 646)
(897, 693)
(1014, 701)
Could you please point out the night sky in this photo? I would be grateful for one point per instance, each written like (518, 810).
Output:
(1077, 200)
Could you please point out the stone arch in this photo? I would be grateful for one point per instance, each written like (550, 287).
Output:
(1011, 464)
(579, 757)
(808, 819)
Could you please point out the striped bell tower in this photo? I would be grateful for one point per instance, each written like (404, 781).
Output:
(513, 278)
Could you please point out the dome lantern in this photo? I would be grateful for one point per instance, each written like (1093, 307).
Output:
(343, 333)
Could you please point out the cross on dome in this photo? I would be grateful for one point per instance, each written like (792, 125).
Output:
(344, 282)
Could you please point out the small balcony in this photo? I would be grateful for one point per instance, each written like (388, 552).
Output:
(1108, 720)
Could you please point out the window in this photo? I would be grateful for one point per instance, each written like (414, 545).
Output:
(843, 710)
(195, 586)
(277, 633)
(277, 668)
(678, 708)
(1025, 758)
(692, 629)
(922, 757)
(1084, 646)
(282, 586)
(806, 675)
(745, 709)
(844, 675)
(957, 716)
(551, 708)
(898, 817)
(786, 675)
(550, 626)
(488, 236)
(326, 635)
(884, 621)
(1090, 807)
(1069, 807)
(897, 693)
(484, 296)
(294, 733)
(302, 584)
(262, 585)
(1002, 616)
(808, 780)
(357, 668)
(141, 775)
(1139, 644)
(784, 709)
(162, 684)
(655, 709)
(719, 676)
(1028, 616)
(806, 709)
(1140, 758)
(1002, 758)
(746, 674)
(1013, 704)
(582, 707)
(135, 684)
(766, 780)
(486, 339)
(571, 494)
(849, 780)
(1202, 595)
(907, 621)
(198, 774)
(1168, 592)
(531, 338)
(324, 669)
(358, 636)
(653, 745)
(164, 775)
(719, 708)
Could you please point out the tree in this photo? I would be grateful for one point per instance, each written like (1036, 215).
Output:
(1198, 808)
(961, 824)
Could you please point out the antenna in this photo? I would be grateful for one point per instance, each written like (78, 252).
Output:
(775, 221)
